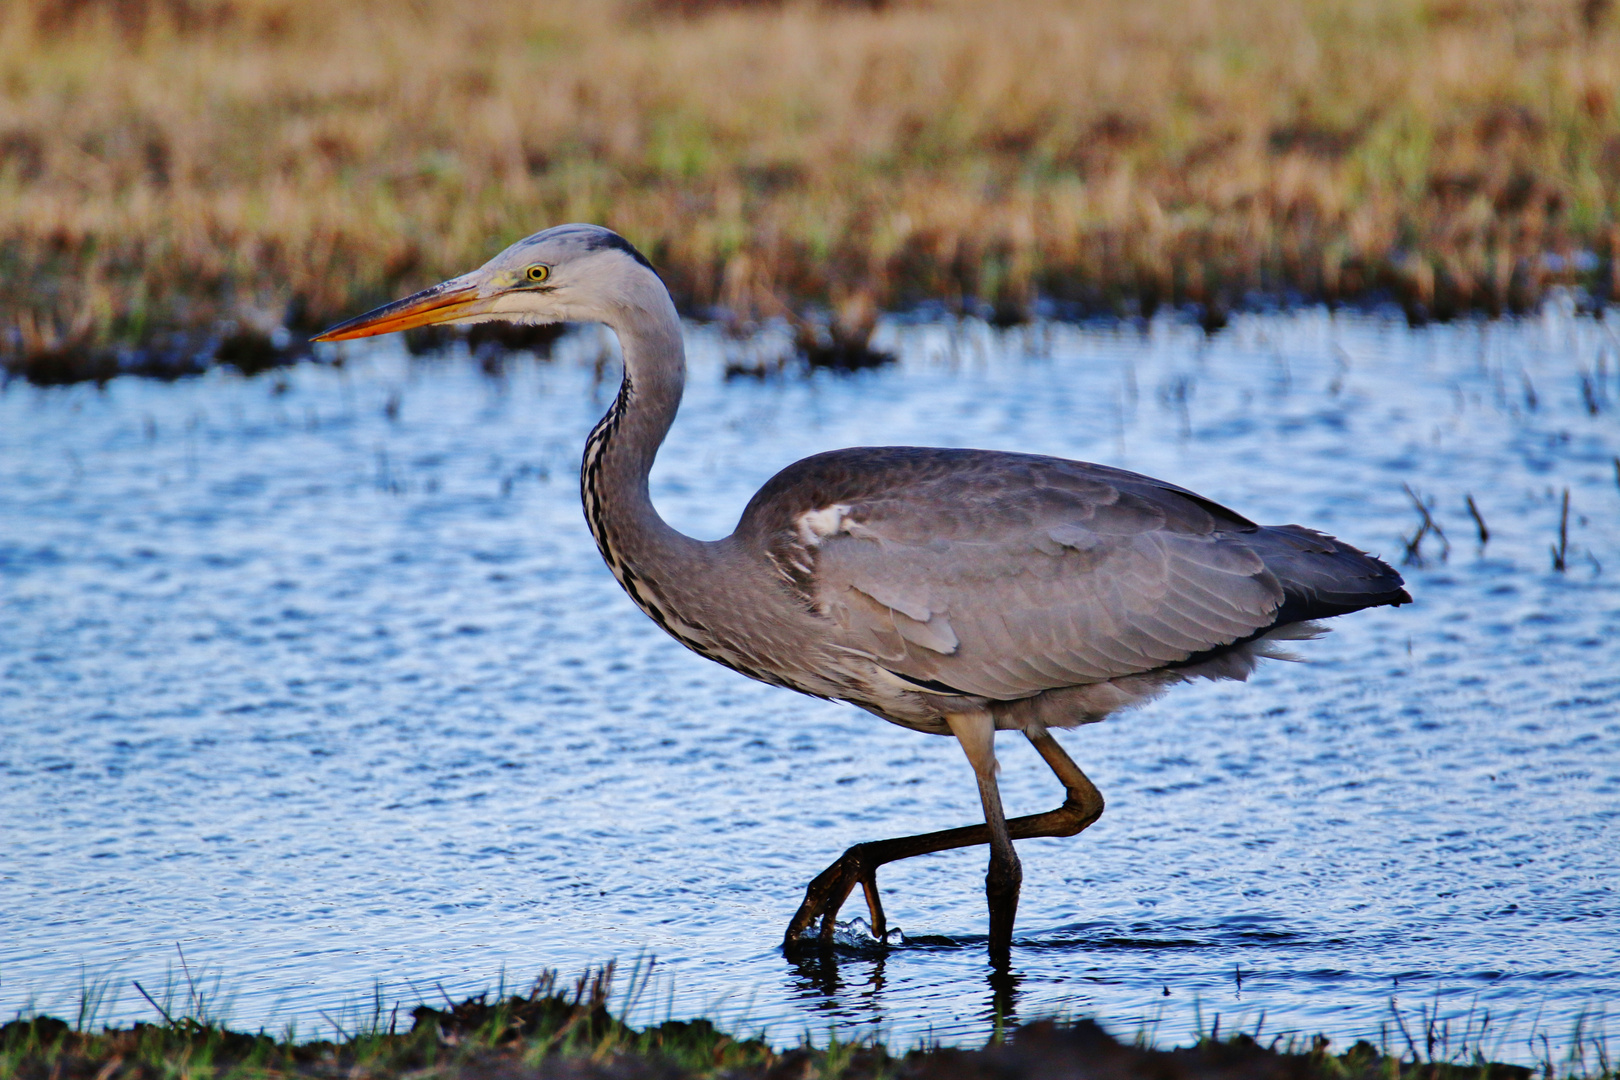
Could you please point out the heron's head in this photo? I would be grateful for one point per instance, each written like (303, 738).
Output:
(570, 273)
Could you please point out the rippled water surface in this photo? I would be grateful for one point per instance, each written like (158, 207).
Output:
(319, 676)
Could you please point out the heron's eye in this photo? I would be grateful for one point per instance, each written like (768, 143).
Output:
(537, 273)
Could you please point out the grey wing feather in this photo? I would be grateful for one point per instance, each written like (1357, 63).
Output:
(1026, 574)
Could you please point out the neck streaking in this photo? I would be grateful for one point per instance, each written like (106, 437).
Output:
(695, 591)
(637, 545)
(593, 487)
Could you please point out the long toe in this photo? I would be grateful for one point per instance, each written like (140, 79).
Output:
(823, 898)
(825, 895)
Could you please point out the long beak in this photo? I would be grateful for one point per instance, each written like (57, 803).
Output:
(445, 302)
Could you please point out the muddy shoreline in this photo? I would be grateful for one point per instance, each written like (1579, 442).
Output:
(571, 1033)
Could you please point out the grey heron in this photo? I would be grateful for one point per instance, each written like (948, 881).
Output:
(957, 592)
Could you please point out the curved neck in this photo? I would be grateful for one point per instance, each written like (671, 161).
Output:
(633, 539)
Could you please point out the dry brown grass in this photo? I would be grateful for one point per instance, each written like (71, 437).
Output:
(172, 163)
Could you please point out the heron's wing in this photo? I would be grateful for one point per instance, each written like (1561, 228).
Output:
(1006, 575)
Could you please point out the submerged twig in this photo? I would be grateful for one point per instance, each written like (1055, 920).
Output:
(1479, 521)
(1560, 554)
(1589, 394)
(1414, 546)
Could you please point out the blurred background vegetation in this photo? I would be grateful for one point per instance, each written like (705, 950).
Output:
(234, 166)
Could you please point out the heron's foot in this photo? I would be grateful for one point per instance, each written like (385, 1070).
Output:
(826, 893)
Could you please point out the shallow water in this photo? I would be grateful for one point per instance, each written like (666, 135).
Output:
(319, 676)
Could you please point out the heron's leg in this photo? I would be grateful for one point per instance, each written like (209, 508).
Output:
(1084, 803)
(977, 734)
(826, 894)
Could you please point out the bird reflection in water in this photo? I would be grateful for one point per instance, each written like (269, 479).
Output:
(847, 982)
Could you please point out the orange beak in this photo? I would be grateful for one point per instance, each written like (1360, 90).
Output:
(445, 302)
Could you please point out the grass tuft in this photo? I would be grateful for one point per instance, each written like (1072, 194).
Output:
(568, 1032)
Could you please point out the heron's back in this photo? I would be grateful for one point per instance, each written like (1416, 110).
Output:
(1003, 576)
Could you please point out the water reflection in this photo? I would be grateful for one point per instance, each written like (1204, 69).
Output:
(845, 985)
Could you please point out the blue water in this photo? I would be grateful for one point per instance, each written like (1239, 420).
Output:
(318, 676)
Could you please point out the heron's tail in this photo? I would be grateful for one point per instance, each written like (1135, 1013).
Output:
(1323, 577)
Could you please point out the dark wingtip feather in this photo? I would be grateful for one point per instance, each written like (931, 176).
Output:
(1323, 577)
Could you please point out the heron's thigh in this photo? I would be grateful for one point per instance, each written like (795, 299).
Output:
(976, 732)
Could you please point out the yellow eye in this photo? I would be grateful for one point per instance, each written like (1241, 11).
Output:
(537, 273)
